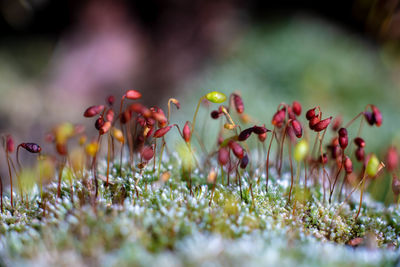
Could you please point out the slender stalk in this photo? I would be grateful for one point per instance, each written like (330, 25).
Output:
(361, 197)
(336, 178)
(108, 157)
(213, 188)
(60, 171)
(10, 174)
(267, 162)
(1, 196)
(240, 181)
(291, 171)
(281, 147)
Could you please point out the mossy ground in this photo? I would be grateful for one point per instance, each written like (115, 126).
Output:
(160, 223)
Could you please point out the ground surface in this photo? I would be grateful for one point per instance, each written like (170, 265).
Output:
(161, 224)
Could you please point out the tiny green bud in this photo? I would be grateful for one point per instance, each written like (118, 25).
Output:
(372, 166)
(216, 97)
(300, 150)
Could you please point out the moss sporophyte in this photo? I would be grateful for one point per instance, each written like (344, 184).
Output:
(236, 169)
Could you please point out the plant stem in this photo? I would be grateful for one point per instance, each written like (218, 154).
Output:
(291, 171)
(108, 157)
(361, 196)
(336, 178)
(10, 174)
(267, 162)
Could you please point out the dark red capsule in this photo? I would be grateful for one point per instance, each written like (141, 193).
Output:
(105, 128)
(140, 109)
(31, 147)
(359, 142)
(244, 161)
(392, 159)
(186, 132)
(320, 126)
(348, 165)
(263, 136)
(260, 129)
(342, 132)
(343, 141)
(360, 154)
(310, 114)
(296, 107)
(313, 121)
(215, 114)
(99, 123)
(238, 103)
(279, 118)
(376, 113)
(297, 129)
(245, 134)
(147, 153)
(223, 156)
(162, 131)
(237, 150)
(291, 114)
(93, 111)
(369, 117)
(395, 184)
(61, 149)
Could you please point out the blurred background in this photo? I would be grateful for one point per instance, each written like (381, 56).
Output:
(58, 57)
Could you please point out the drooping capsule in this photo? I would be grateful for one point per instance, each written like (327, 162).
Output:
(110, 100)
(223, 156)
(279, 118)
(297, 129)
(99, 123)
(147, 153)
(369, 117)
(162, 131)
(320, 126)
(245, 134)
(31, 147)
(313, 121)
(237, 150)
(376, 113)
(93, 111)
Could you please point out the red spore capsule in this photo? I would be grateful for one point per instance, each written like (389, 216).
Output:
(297, 129)
(9, 144)
(279, 118)
(105, 128)
(260, 129)
(186, 132)
(215, 114)
(296, 107)
(359, 142)
(313, 121)
(99, 123)
(310, 114)
(237, 150)
(31, 147)
(223, 156)
(110, 115)
(348, 165)
(376, 113)
(360, 154)
(245, 134)
(147, 153)
(392, 159)
(93, 111)
(369, 117)
(244, 161)
(323, 159)
(162, 131)
(110, 100)
(320, 126)
(133, 94)
(238, 102)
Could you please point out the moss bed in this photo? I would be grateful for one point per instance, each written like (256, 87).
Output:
(160, 223)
